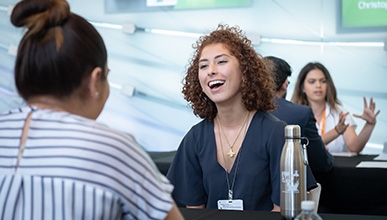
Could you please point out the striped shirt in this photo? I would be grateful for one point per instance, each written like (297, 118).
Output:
(76, 168)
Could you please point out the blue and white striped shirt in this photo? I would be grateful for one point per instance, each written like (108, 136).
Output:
(76, 168)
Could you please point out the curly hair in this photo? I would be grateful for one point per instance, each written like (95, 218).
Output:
(257, 87)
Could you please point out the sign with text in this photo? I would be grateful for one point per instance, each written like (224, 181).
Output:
(362, 15)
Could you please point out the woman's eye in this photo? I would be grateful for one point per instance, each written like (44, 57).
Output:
(222, 61)
(202, 66)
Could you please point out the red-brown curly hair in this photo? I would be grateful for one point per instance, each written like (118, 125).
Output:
(257, 87)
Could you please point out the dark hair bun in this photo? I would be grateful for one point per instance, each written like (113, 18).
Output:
(37, 15)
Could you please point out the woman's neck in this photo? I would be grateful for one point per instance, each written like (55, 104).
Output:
(232, 116)
(53, 103)
(318, 109)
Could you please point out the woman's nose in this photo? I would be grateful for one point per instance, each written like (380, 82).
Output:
(211, 70)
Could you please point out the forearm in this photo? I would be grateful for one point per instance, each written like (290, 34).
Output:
(358, 143)
(276, 208)
(196, 206)
(320, 160)
(174, 214)
(330, 136)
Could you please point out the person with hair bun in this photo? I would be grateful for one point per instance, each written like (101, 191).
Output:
(56, 161)
(231, 159)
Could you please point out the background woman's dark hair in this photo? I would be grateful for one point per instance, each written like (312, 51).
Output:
(300, 97)
(58, 51)
(257, 86)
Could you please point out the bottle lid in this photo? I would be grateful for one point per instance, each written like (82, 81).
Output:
(292, 131)
(307, 205)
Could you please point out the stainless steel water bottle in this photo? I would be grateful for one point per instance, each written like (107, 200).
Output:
(293, 173)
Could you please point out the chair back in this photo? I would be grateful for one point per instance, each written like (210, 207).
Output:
(314, 195)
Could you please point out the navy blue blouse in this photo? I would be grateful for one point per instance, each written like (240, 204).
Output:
(199, 178)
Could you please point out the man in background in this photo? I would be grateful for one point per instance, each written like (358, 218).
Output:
(320, 160)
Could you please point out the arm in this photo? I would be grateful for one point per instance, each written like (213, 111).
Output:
(320, 160)
(354, 142)
(174, 213)
(275, 147)
(196, 207)
(339, 129)
(276, 208)
(185, 173)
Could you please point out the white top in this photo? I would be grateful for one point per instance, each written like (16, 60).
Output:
(76, 168)
(332, 118)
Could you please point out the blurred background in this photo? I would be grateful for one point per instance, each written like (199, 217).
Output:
(150, 42)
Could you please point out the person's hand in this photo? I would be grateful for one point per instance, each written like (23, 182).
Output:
(369, 114)
(341, 126)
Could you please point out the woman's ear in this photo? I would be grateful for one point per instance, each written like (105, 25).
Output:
(284, 86)
(95, 82)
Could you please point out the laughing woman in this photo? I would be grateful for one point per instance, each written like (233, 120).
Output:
(234, 152)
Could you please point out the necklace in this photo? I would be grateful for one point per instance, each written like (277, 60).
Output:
(230, 188)
(231, 152)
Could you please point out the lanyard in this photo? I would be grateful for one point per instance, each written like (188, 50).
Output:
(231, 189)
(323, 120)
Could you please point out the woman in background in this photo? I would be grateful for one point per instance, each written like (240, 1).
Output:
(315, 88)
(234, 153)
(56, 161)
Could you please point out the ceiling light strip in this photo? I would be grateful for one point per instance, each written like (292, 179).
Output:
(266, 40)
(3, 8)
(173, 33)
(106, 25)
(319, 43)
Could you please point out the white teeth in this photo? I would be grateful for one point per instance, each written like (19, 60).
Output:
(212, 83)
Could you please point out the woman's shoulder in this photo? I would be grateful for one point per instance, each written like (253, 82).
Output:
(336, 109)
(340, 108)
(202, 125)
(267, 118)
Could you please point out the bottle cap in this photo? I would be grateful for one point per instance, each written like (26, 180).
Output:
(292, 131)
(307, 205)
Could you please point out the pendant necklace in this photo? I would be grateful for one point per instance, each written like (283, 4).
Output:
(230, 188)
(231, 152)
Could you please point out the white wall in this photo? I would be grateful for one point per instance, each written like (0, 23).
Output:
(154, 64)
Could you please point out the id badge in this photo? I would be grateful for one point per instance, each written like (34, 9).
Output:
(234, 204)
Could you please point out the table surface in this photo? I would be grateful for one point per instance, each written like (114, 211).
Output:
(345, 189)
(214, 214)
(162, 159)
